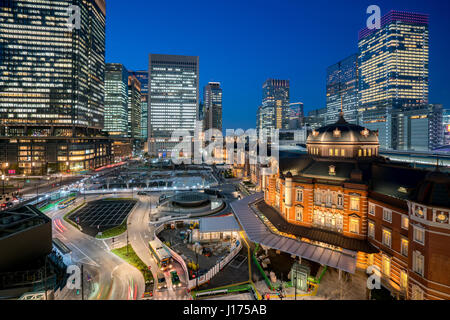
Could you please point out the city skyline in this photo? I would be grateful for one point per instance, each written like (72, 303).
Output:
(304, 67)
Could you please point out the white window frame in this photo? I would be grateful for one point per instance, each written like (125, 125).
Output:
(340, 200)
(352, 198)
(383, 238)
(371, 229)
(354, 222)
(415, 229)
(299, 211)
(372, 206)
(387, 215)
(418, 263)
(299, 191)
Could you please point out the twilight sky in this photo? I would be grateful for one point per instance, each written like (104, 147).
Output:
(242, 43)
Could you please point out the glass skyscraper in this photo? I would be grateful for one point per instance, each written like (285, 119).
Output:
(134, 108)
(213, 106)
(393, 71)
(342, 90)
(116, 100)
(142, 76)
(173, 99)
(52, 86)
(274, 111)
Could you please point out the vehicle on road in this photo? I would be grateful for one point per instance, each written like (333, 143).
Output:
(64, 204)
(175, 279)
(161, 254)
(161, 281)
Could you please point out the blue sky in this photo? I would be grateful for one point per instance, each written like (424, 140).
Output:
(242, 43)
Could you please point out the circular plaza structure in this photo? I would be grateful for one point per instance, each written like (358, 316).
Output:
(190, 200)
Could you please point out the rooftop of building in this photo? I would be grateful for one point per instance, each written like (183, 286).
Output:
(19, 220)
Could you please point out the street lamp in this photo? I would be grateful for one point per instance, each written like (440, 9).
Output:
(3, 182)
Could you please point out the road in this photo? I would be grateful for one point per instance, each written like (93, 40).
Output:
(112, 278)
(139, 234)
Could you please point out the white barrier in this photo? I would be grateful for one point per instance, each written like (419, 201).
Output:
(217, 268)
(212, 272)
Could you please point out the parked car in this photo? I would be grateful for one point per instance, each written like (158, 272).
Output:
(175, 279)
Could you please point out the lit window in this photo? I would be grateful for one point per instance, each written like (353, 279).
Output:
(371, 231)
(387, 215)
(370, 259)
(342, 152)
(354, 225)
(299, 214)
(405, 222)
(418, 263)
(331, 152)
(386, 264)
(387, 237)
(354, 203)
(404, 247)
(419, 235)
(403, 279)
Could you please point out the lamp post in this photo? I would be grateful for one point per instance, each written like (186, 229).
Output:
(3, 184)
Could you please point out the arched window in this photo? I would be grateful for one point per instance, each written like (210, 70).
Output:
(359, 153)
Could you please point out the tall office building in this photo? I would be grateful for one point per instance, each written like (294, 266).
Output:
(274, 111)
(52, 86)
(213, 106)
(296, 115)
(173, 99)
(142, 76)
(116, 100)
(342, 90)
(393, 72)
(421, 127)
(446, 125)
(316, 118)
(134, 108)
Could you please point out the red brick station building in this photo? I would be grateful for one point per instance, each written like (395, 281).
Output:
(342, 196)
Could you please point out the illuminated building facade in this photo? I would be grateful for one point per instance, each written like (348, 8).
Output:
(173, 99)
(342, 196)
(116, 100)
(393, 71)
(51, 85)
(446, 124)
(142, 76)
(274, 112)
(342, 90)
(134, 108)
(296, 115)
(213, 106)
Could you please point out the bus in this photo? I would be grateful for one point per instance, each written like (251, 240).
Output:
(160, 253)
(64, 204)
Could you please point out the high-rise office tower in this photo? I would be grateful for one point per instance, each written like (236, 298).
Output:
(296, 115)
(52, 86)
(393, 72)
(446, 125)
(116, 100)
(213, 106)
(421, 127)
(316, 118)
(134, 108)
(342, 90)
(142, 76)
(274, 111)
(173, 99)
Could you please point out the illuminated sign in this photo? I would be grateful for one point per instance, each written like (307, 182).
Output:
(448, 128)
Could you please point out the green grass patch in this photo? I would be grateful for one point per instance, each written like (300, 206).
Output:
(114, 232)
(133, 259)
